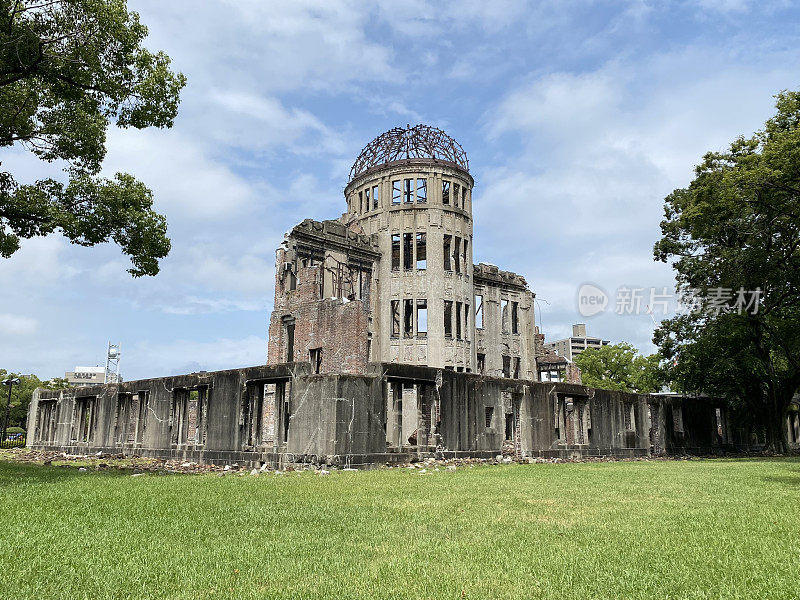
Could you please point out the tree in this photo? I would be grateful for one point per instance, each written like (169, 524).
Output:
(733, 237)
(619, 367)
(21, 395)
(67, 69)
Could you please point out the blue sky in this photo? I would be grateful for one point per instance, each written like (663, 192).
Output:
(577, 117)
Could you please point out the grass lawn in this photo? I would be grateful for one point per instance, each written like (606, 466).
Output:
(694, 529)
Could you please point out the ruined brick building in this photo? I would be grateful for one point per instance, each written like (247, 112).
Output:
(386, 342)
(403, 254)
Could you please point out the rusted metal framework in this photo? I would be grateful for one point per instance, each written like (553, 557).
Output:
(420, 141)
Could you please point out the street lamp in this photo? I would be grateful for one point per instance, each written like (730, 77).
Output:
(10, 382)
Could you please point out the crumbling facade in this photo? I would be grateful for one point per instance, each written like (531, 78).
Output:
(392, 413)
(386, 343)
(409, 214)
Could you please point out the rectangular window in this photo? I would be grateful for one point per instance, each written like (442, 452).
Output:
(422, 318)
(457, 254)
(408, 318)
(464, 197)
(396, 192)
(504, 315)
(448, 242)
(481, 363)
(466, 321)
(408, 251)
(366, 199)
(85, 421)
(489, 414)
(193, 417)
(422, 251)
(448, 318)
(422, 191)
(395, 318)
(456, 192)
(464, 255)
(479, 311)
(290, 341)
(458, 320)
(395, 252)
(515, 317)
(408, 191)
(375, 196)
(445, 192)
(361, 202)
(315, 355)
(506, 366)
(202, 416)
(144, 406)
(516, 367)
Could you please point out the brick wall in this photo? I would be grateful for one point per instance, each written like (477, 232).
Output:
(339, 327)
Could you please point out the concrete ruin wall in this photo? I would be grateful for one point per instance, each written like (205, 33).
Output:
(279, 414)
(505, 338)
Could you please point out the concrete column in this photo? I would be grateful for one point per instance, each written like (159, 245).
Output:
(411, 414)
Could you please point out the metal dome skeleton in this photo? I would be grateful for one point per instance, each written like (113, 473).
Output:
(418, 142)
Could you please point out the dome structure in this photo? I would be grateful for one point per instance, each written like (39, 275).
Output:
(418, 142)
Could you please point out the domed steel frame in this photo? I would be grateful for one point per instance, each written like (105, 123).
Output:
(420, 141)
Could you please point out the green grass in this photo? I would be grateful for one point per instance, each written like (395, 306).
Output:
(696, 529)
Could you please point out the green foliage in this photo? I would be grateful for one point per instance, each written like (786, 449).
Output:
(21, 395)
(643, 530)
(619, 367)
(68, 68)
(737, 226)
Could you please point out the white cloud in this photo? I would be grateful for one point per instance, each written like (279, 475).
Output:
(285, 45)
(257, 122)
(38, 263)
(148, 359)
(600, 151)
(192, 305)
(186, 180)
(17, 324)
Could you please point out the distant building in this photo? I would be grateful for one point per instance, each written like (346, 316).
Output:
(571, 347)
(550, 366)
(86, 376)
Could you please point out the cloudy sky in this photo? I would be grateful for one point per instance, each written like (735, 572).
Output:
(578, 118)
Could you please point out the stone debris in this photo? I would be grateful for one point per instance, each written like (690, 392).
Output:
(424, 465)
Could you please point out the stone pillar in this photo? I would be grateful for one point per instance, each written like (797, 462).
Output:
(411, 416)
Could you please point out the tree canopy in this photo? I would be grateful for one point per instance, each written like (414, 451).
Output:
(619, 367)
(69, 68)
(734, 232)
(21, 395)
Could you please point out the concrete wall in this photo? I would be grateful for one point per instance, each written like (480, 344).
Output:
(508, 327)
(284, 413)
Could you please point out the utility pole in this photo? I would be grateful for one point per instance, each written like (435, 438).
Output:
(10, 382)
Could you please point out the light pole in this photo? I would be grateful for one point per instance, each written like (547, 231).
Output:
(10, 383)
